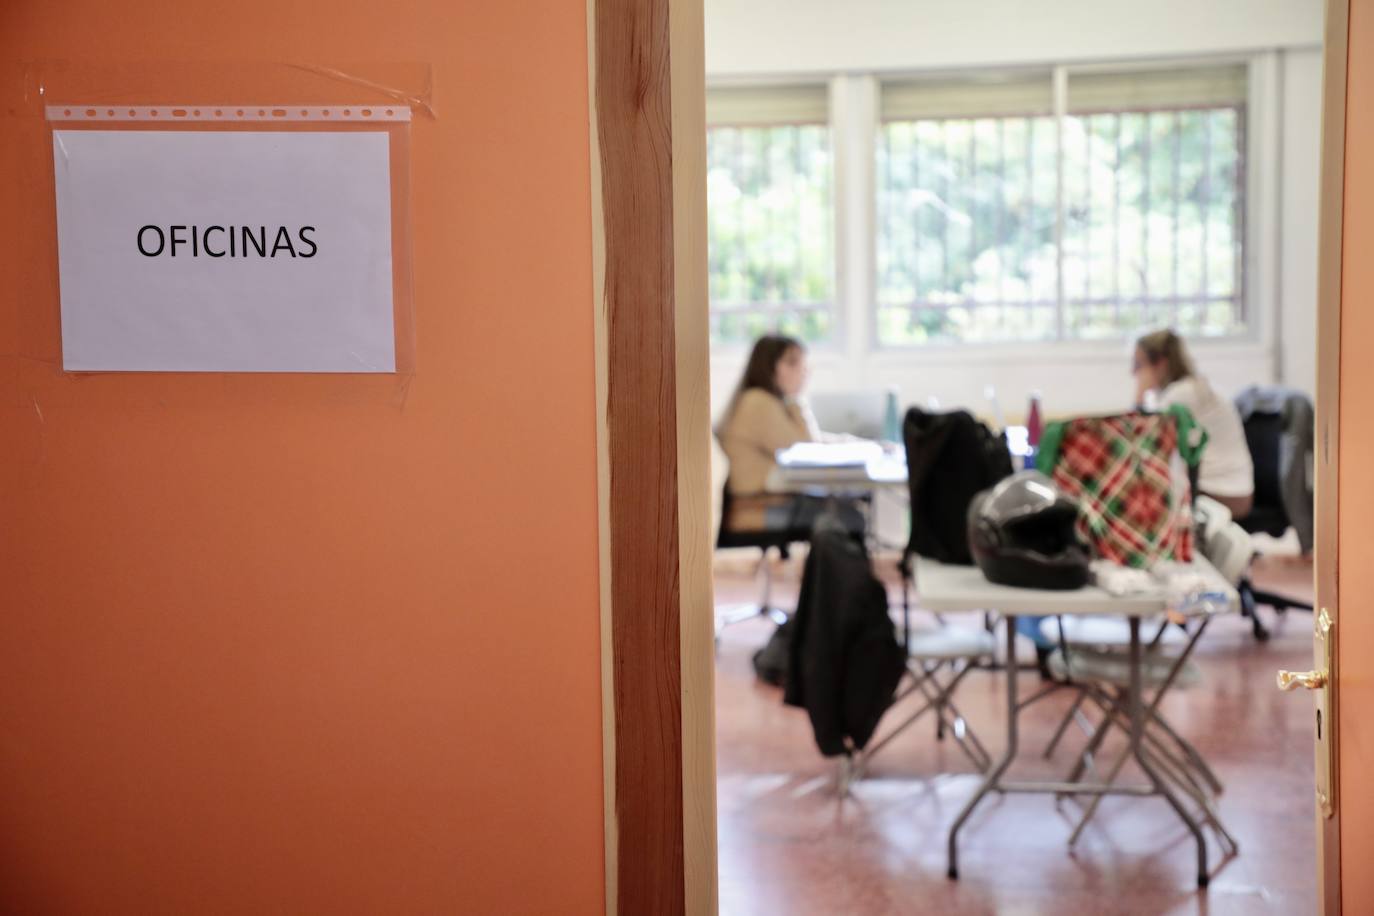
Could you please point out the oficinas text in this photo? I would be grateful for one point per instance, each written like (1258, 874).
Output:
(226, 242)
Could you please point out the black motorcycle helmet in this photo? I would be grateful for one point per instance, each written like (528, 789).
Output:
(1021, 533)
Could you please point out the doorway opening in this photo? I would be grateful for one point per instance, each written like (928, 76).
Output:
(960, 224)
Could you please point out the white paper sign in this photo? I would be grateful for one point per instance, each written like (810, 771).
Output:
(219, 251)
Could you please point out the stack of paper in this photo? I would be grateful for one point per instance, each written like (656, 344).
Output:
(829, 455)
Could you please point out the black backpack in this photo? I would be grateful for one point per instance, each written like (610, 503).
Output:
(950, 457)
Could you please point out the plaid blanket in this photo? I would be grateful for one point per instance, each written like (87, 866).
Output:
(1133, 510)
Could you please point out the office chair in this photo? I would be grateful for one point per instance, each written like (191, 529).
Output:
(1269, 420)
(766, 540)
(802, 510)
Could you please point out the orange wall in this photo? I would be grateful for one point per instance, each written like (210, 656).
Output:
(1356, 612)
(311, 644)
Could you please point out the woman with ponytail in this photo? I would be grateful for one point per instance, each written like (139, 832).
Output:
(1161, 365)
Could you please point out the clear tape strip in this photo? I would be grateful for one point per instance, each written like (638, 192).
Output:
(229, 113)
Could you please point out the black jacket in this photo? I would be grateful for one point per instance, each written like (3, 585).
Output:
(845, 660)
(950, 457)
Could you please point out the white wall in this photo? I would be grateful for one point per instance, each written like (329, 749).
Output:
(784, 40)
(773, 37)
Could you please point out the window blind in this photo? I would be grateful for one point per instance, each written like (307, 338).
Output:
(767, 106)
(1032, 93)
(1184, 87)
(1026, 94)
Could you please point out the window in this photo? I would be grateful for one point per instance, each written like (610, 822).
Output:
(770, 223)
(998, 221)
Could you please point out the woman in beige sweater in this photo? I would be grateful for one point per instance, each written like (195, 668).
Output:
(763, 416)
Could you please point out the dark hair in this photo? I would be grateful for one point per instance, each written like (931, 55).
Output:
(762, 369)
(1167, 347)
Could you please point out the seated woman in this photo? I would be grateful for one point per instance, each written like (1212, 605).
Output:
(1226, 474)
(766, 414)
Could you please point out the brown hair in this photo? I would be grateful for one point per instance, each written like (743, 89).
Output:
(762, 369)
(1167, 347)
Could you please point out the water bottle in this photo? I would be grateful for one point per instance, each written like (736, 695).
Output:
(1034, 427)
(892, 421)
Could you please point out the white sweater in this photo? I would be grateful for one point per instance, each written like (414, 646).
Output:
(1226, 468)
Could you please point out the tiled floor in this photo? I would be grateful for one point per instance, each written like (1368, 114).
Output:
(789, 845)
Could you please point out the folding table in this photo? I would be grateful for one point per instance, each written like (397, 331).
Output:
(949, 589)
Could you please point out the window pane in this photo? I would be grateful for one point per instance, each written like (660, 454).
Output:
(965, 244)
(770, 231)
(1152, 231)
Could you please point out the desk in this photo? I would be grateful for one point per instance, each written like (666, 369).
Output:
(963, 588)
(850, 469)
(857, 467)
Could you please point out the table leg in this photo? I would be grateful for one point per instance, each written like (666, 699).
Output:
(994, 775)
(1064, 724)
(1089, 753)
(1137, 709)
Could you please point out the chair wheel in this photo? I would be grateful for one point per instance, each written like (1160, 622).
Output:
(1261, 632)
(953, 874)
(1202, 882)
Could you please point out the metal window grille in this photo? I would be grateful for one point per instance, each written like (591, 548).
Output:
(971, 246)
(770, 231)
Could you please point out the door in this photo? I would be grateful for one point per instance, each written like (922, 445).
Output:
(1353, 574)
(1342, 677)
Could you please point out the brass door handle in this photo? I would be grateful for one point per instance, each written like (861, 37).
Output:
(1291, 680)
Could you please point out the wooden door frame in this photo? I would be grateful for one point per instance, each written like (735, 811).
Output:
(1332, 203)
(646, 82)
